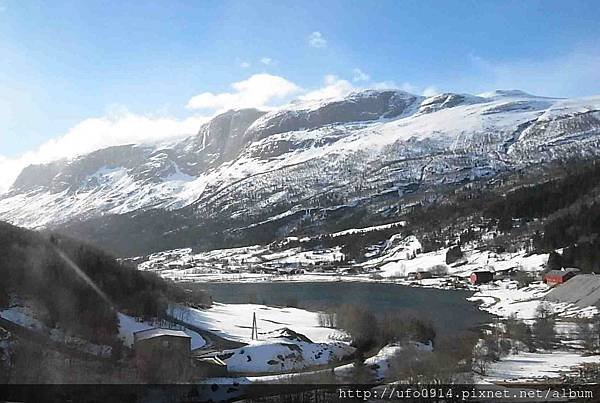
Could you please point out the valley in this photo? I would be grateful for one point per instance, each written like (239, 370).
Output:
(299, 202)
(345, 241)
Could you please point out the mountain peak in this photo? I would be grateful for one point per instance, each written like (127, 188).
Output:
(360, 106)
(508, 94)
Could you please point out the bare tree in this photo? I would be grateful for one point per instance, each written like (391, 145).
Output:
(543, 327)
(519, 333)
(486, 351)
(327, 319)
(523, 278)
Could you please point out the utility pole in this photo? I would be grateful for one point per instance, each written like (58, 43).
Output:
(254, 327)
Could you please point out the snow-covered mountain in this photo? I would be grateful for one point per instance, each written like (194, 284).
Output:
(248, 167)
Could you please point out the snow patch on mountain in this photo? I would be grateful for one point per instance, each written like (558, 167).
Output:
(367, 144)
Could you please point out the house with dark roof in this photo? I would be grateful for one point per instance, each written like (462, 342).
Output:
(162, 355)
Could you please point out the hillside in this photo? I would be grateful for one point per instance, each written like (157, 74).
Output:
(515, 221)
(251, 177)
(77, 288)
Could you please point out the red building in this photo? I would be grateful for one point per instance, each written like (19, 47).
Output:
(481, 276)
(554, 277)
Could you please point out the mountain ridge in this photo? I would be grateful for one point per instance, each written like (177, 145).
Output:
(248, 167)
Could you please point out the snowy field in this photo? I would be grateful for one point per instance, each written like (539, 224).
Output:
(504, 298)
(283, 351)
(377, 366)
(397, 265)
(234, 321)
(289, 339)
(536, 366)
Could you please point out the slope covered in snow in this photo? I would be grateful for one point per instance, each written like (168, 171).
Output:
(234, 321)
(283, 351)
(248, 169)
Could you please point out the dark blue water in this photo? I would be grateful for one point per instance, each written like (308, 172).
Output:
(448, 310)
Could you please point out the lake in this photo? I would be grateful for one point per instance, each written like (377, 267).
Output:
(447, 309)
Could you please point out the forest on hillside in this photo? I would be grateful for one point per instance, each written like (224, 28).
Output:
(45, 268)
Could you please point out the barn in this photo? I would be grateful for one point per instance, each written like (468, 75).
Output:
(481, 277)
(554, 277)
(162, 354)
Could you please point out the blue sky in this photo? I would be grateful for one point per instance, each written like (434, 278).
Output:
(92, 71)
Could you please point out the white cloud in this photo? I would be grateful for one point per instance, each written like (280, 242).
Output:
(245, 65)
(316, 40)
(334, 87)
(430, 91)
(120, 127)
(266, 61)
(264, 91)
(360, 75)
(258, 91)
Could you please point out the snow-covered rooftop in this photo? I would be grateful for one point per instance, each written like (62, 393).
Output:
(152, 333)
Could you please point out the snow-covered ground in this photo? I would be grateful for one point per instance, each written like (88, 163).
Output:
(289, 339)
(393, 265)
(535, 366)
(391, 262)
(504, 298)
(128, 326)
(394, 261)
(381, 362)
(234, 321)
(473, 127)
(377, 368)
(283, 351)
(25, 317)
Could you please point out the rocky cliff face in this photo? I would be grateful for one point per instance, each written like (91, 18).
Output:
(250, 169)
(359, 107)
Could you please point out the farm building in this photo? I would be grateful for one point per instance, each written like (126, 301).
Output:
(481, 277)
(162, 354)
(554, 277)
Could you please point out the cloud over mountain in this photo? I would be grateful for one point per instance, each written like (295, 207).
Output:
(257, 91)
(96, 133)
